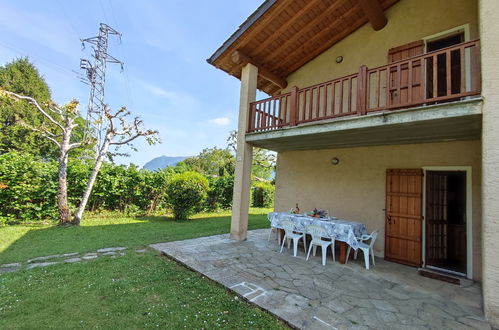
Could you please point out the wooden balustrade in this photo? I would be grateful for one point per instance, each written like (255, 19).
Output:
(448, 74)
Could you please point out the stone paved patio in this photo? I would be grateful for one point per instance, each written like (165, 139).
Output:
(308, 295)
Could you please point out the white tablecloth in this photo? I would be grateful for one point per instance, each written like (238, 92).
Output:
(340, 229)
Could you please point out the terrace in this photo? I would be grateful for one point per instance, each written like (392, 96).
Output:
(308, 295)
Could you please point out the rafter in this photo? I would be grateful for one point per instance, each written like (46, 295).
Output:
(284, 26)
(310, 24)
(358, 23)
(311, 41)
(240, 58)
(374, 12)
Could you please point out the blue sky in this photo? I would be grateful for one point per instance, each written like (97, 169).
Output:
(165, 44)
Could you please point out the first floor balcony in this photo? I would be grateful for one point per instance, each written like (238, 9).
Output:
(430, 97)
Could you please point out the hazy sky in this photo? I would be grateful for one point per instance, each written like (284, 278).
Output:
(165, 45)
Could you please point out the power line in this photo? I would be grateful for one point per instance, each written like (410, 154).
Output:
(40, 58)
(112, 14)
(125, 77)
(68, 19)
(103, 10)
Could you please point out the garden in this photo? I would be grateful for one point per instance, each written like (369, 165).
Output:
(126, 209)
(135, 290)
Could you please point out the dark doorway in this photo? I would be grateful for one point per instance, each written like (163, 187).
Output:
(440, 89)
(446, 220)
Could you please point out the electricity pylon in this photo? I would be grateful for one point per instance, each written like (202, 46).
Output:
(96, 75)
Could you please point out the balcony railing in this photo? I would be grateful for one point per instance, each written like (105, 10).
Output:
(445, 75)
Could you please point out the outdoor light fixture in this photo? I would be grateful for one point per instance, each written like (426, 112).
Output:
(335, 161)
(339, 59)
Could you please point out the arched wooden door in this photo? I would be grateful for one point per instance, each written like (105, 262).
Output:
(403, 219)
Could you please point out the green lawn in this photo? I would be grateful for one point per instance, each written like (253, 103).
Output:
(18, 243)
(138, 290)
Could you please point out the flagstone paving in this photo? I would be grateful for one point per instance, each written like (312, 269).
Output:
(54, 259)
(308, 295)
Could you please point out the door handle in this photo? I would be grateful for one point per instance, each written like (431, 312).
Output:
(389, 218)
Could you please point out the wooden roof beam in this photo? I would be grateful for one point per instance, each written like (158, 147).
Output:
(374, 13)
(241, 59)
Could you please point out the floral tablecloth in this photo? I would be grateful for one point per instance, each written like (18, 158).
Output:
(340, 229)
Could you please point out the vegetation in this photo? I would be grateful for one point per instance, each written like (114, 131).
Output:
(21, 242)
(41, 181)
(220, 193)
(21, 76)
(262, 194)
(212, 162)
(186, 194)
(138, 290)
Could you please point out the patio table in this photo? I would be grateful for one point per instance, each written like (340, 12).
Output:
(340, 229)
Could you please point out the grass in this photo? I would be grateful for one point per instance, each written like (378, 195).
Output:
(135, 291)
(21, 242)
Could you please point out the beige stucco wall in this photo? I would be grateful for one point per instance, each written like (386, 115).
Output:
(355, 189)
(489, 27)
(408, 20)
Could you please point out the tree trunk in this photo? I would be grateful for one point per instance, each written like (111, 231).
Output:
(91, 180)
(62, 189)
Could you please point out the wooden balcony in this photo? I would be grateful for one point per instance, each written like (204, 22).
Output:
(446, 75)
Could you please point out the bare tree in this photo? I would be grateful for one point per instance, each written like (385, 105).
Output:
(64, 120)
(118, 132)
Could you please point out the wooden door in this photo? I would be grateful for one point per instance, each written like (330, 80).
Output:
(405, 83)
(403, 218)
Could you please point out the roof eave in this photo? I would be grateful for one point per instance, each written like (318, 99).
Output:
(255, 16)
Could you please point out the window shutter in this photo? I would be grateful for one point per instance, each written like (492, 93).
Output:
(411, 49)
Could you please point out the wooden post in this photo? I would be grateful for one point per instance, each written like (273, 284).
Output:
(374, 13)
(293, 106)
(251, 118)
(362, 91)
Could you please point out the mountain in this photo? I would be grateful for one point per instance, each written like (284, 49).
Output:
(162, 162)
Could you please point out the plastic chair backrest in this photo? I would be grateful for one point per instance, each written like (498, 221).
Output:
(288, 227)
(316, 232)
(374, 235)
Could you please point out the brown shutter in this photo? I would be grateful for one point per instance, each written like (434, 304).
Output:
(411, 49)
(403, 216)
(405, 81)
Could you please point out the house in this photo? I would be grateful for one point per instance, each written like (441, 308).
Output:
(381, 111)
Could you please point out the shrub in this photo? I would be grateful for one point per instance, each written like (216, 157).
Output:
(186, 193)
(220, 193)
(28, 188)
(262, 194)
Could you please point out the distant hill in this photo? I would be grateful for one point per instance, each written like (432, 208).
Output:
(162, 162)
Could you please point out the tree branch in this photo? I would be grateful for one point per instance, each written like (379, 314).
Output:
(128, 140)
(35, 103)
(75, 145)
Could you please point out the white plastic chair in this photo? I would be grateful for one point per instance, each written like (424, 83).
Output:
(318, 233)
(289, 234)
(272, 229)
(367, 249)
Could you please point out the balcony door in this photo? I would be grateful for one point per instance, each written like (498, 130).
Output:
(436, 73)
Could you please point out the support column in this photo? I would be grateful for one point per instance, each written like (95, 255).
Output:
(244, 156)
(489, 45)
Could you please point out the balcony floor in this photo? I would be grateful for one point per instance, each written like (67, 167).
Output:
(308, 295)
(454, 121)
